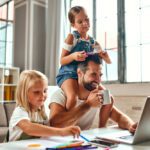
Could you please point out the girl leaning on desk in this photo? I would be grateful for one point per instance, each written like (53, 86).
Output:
(29, 119)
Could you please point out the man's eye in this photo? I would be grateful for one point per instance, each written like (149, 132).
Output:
(101, 75)
(45, 91)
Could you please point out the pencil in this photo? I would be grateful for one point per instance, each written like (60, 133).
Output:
(83, 137)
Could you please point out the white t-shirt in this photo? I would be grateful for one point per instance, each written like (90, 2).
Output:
(19, 114)
(86, 120)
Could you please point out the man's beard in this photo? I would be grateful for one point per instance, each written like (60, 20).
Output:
(89, 85)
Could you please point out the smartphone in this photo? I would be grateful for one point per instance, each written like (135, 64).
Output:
(103, 143)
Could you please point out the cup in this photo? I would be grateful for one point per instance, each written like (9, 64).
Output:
(106, 97)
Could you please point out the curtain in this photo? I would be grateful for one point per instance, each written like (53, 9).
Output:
(57, 27)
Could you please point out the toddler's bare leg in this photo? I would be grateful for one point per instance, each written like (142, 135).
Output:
(70, 87)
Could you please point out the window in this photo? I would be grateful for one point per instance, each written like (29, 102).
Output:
(122, 29)
(137, 40)
(6, 32)
(106, 34)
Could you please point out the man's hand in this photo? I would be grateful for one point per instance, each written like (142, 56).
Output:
(133, 127)
(94, 99)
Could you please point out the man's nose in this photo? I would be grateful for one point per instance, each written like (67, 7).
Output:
(98, 79)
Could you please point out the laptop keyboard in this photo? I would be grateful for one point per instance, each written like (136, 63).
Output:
(128, 137)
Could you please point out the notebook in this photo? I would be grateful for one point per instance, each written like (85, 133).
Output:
(141, 134)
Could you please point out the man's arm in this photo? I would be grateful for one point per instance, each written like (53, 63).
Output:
(110, 111)
(122, 119)
(105, 112)
(59, 117)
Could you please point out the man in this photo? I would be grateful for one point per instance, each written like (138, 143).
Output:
(90, 100)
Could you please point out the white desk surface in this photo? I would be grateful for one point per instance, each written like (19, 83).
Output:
(54, 141)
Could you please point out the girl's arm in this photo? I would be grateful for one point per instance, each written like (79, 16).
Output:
(103, 54)
(35, 129)
(97, 46)
(66, 57)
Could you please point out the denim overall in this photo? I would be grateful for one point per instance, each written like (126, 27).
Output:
(70, 70)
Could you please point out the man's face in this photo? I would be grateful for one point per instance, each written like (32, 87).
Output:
(92, 77)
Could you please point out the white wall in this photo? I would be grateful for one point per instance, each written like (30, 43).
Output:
(130, 89)
(29, 34)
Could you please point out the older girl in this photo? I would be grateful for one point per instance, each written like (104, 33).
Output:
(29, 119)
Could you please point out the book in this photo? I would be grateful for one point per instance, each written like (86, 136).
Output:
(9, 93)
(13, 93)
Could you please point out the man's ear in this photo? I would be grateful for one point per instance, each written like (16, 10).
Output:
(79, 72)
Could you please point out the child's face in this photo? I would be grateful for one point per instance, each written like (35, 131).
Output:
(81, 22)
(37, 94)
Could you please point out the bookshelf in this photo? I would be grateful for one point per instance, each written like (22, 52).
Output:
(8, 81)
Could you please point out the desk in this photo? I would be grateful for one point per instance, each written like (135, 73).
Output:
(53, 141)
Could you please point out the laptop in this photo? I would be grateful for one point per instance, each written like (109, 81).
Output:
(141, 134)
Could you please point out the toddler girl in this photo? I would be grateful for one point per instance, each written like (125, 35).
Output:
(77, 47)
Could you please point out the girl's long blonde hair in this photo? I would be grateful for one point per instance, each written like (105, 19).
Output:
(27, 79)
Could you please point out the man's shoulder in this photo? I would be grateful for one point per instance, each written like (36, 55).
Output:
(54, 90)
(58, 96)
(58, 92)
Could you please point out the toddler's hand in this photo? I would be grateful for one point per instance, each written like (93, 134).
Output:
(105, 56)
(79, 56)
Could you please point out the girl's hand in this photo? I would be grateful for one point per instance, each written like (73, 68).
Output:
(71, 130)
(105, 56)
(79, 56)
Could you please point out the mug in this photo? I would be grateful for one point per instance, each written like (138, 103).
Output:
(106, 97)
